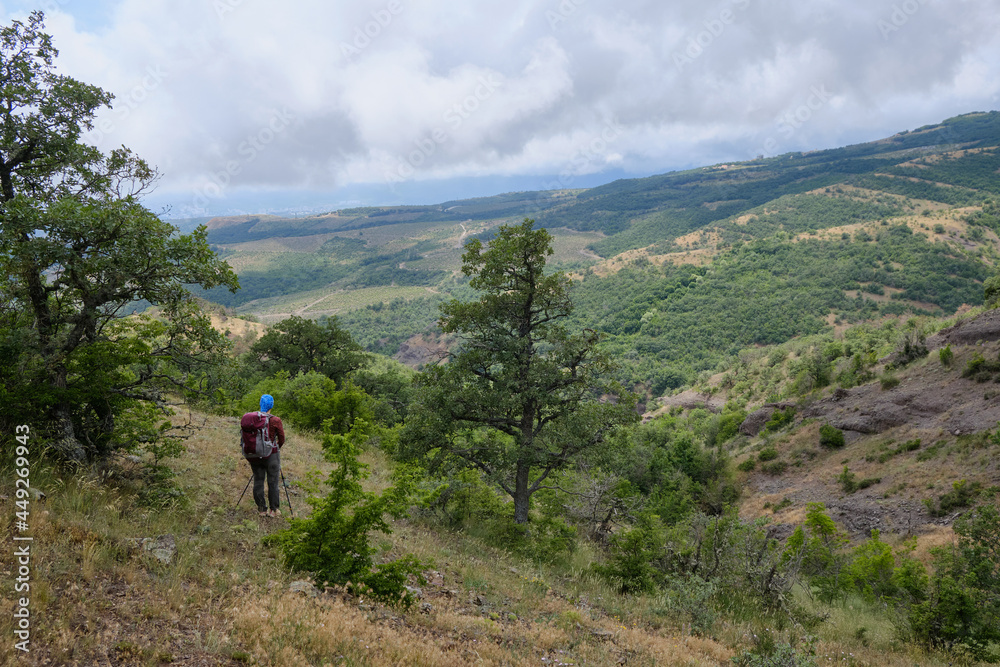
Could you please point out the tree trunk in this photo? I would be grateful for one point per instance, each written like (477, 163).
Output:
(521, 495)
(66, 444)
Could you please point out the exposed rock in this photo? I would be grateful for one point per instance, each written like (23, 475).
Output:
(691, 399)
(304, 587)
(985, 327)
(418, 351)
(162, 548)
(414, 591)
(426, 607)
(755, 422)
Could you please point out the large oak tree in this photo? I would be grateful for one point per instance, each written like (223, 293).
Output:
(77, 250)
(521, 397)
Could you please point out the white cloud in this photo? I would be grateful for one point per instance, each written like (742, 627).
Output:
(513, 88)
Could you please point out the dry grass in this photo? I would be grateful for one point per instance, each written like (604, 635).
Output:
(224, 599)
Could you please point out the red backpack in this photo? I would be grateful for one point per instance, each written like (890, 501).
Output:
(255, 436)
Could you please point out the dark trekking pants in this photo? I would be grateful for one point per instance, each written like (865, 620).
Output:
(271, 469)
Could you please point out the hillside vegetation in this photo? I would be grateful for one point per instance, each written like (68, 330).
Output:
(720, 257)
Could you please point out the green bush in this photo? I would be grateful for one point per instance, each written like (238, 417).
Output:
(309, 399)
(748, 465)
(981, 370)
(466, 500)
(962, 607)
(629, 566)
(818, 545)
(767, 454)
(729, 425)
(850, 483)
(961, 495)
(780, 419)
(831, 437)
(872, 568)
(690, 599)
(946, 355)
(768, 652)
(333, 542)
(774, 467)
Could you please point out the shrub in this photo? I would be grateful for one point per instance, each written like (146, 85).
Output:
(946, 355)
(871, 568)
(309, 399)
(767, 454)
(690, 598)
(774, 467)
(974, 365)
(629, 566)
(979, 369)
(333, 542)
(831, 437)
(767, 652)
(888, 380)
(729, 425)
(748, 466)
(961, 495)
(850, 483)
(962, 606)
(780, 419)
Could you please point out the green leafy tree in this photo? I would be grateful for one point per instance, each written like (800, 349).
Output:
(298, 345)
(312, 400)
(962, 607)
(76, 250)
(819, 546)
(522, 397)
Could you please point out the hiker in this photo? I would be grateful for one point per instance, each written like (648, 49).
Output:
(268, 435)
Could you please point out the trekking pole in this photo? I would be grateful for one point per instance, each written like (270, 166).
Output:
(244, 490)
(286, 492)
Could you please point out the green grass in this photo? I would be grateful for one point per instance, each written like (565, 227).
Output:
(333, 301)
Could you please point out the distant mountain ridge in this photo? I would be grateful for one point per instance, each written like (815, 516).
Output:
(665, 205)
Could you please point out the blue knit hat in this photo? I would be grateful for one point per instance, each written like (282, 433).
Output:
(266, 402)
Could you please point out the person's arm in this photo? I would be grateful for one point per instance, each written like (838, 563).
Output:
(279, 431)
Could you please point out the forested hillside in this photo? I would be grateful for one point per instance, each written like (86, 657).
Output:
(717, 258)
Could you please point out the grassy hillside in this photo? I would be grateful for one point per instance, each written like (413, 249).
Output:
(224, 599)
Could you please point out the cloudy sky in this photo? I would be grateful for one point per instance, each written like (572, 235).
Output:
(251, 105)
